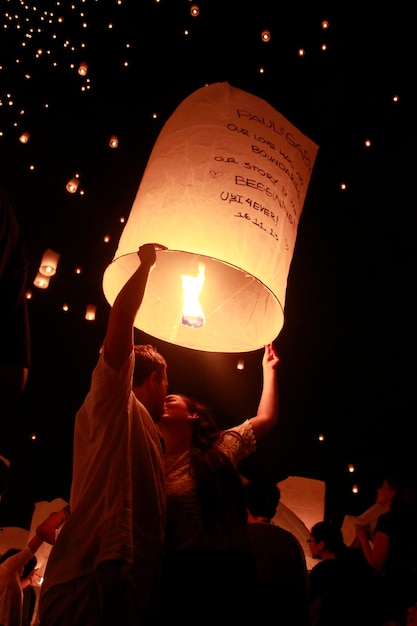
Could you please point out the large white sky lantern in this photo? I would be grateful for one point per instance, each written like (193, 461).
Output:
(223, 190)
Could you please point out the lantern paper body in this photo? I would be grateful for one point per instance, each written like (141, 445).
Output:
(90, 312)
(224, 186)
(49, 263)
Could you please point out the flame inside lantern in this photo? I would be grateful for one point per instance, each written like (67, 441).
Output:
(192, 313)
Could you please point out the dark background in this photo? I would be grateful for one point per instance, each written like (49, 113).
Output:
(347, 348)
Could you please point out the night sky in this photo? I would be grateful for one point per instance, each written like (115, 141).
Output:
(347, 348)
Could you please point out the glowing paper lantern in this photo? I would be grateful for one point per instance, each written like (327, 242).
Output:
(72, 185)
(41, 281)
(24, 137)
(83, 69)
(114, 141)
(49, 263)
(90, 312)
(224, 187)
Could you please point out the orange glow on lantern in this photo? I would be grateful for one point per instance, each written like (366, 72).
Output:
(83, 69)
(41, 281)
(90, 312)
(49, 263)
(240, 364)
(24, 137)
(210, 209)
(192, 313)
(72, 184)
(114, 141)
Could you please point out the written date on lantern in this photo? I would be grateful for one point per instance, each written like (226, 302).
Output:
(255, 222)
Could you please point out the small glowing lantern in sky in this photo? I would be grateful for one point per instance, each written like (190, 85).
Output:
(224, 188)
(41, 281)
(24, 137)
(114, 141)
(90, 312)
(72, 184)
(49, 263)
(83, 69)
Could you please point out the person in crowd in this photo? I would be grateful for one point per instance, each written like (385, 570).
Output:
(105, 565)
(207, 557)
(340, 584)
(282, 587)
(16, 567)
(29, 579)
(391, 550)
(15, 352)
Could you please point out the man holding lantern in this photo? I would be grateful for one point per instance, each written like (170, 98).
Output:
(105, 565)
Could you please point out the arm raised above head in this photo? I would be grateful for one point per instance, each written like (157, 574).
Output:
(119, 334)
(267, 416)
(46, 530)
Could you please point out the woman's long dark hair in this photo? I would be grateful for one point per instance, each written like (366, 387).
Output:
(219, 484)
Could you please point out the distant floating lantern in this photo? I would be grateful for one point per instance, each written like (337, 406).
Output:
(24, 137)
(41, 281)
(114, 141)
(83, 69)
(90, 312)
(49, 263)
(194, 10)
(266, 35)
(240, 364)
(72, 185)
(224, 188)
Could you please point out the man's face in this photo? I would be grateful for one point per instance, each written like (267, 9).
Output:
(161, 388)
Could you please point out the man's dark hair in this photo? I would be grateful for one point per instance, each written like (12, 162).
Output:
(147, 360)
(331, 534)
